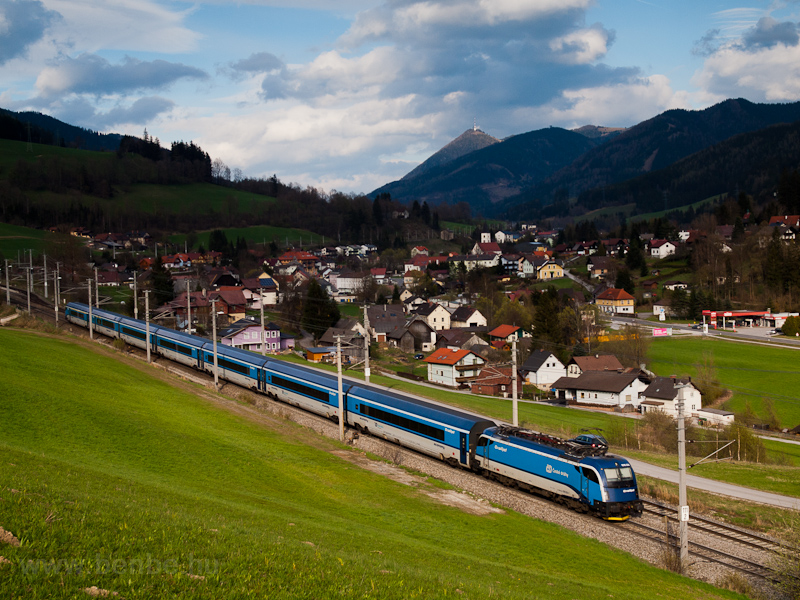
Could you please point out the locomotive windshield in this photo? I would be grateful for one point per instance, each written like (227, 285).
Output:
(619, 476)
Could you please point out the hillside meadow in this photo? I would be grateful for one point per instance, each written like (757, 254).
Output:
(15, 240)
(752, 372)
(118, 476)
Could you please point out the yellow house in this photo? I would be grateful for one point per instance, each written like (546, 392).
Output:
(615, 301)
(550, 270)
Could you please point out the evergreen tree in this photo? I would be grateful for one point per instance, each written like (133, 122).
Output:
(319, 311)
(162, 283)
(624, 281)
(377, 211)
(396, 295)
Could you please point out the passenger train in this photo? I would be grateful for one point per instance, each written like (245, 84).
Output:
(579, 476)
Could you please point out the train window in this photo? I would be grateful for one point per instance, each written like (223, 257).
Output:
(168, 345)
(133, 333)
(590, 475)
(232, 366)
(306, 390)
(619, 476)
(404, 422)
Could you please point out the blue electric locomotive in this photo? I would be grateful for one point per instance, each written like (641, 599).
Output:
(561, 470)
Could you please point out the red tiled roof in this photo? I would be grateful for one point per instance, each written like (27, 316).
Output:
(446, 356)
(503, 331)
(615, 294)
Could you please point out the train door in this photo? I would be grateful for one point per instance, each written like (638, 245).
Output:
(463, 445)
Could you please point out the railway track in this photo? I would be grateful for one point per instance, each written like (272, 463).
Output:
(701, 551)
(718, 529)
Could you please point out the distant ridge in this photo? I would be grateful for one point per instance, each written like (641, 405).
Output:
(595, 131)
(63, 134)
(469, 141)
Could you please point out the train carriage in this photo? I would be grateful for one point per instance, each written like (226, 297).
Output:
(314, 391)
(134, 332)
(103, 321)
(237, 366)
(439, 431)
(77, 313)
(180, 347)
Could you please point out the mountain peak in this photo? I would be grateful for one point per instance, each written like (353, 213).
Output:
(471, 140)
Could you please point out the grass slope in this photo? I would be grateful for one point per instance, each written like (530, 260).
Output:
(114, 477)
(258, 235)
(15, 239)
(753, 372)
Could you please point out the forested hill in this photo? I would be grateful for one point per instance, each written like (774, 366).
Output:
(493, 173)
(469, 141)
(751, 162)
(655, 144)
(52, 132)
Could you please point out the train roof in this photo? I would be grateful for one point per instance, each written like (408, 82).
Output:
(245, 356)
(99, 312)
(445, 414)
(314, 375)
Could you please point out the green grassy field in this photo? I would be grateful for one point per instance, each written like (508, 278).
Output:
(15, 239)
(118, 477)
(752, 372)
(258, 235)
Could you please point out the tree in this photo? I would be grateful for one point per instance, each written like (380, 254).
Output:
(319, 311)
(624, 281)
(162, 283)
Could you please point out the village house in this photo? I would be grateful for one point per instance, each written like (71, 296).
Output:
(436, 315)
(615, 301)
(542, 369)
(496, 381)
(466, 316)
(663, 393)
(661, 248)
(505, 333)
(248, 335)
(620, 391)
(453, 368)
(598, 362)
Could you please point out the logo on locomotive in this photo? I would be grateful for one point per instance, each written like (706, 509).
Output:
(551, 470)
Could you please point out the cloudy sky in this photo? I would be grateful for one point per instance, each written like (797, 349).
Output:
(351, 94)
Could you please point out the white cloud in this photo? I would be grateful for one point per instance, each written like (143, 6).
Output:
(131, 25)
(411, 19)
(614, 106)
(768, 74)
(581, 47)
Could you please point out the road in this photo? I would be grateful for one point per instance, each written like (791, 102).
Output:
(716, 487)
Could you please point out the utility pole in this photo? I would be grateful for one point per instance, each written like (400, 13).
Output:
(339, 380)
(8, 289)
(147, 322)
(366, 345)
(89, 287)
(682, 500)
(55, 292)
(96, 288)
(188, 309)
(135, 297)
(214, 321)
(263, 342)
(29, 289)
(515, 404)
(45, 276)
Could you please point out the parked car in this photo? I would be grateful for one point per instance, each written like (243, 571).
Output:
(595, 440)
(419, 356)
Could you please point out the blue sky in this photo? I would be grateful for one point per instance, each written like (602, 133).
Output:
(350, 94)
